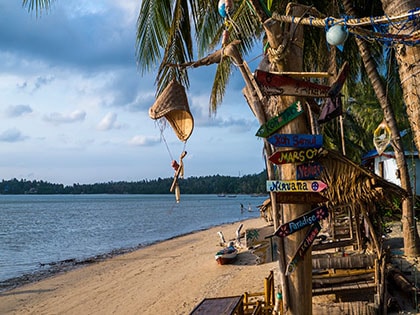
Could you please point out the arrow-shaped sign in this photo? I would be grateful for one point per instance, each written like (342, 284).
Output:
(303, 247)
(296, 140)
(278, 84)
(294, 156)
(295, 185)
(300, 198)
(280, 120)
(304, 220)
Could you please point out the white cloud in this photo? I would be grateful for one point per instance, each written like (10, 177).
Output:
(58, 118)
(109, 122)
(143, 141)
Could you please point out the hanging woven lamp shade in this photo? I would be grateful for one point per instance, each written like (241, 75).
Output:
(172, 104)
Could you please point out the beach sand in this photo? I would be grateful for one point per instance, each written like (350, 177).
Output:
(169, 277)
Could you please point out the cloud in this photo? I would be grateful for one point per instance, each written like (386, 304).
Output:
(12, 135)
(58, 118)
(143, 141)
(109, 122)
(17, 110)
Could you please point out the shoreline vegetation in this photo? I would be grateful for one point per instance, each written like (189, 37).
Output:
(215, 184)
(167, 277)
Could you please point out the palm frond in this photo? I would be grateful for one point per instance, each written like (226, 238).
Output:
(152, 33)
(36, 5)
(179, 48)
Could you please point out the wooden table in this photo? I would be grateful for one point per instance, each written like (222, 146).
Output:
(220, 306)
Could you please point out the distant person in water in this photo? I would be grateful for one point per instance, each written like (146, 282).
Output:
(242, 208)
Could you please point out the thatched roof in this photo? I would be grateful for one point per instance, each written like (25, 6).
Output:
(350, 183)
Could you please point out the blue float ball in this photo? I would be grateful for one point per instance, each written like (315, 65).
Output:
(337, 35)
(222, 8)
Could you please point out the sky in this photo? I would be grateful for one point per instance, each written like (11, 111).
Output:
(74, 104)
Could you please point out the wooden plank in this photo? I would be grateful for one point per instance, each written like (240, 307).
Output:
(276, 84)
(275, 123)
(301, 141)
(336, 244)
(343, 262)
(301, 198)
(287, 186)
(303, 247)
(302, 221)
(294, 156)
(308, 170)
(295, 74)
(344, 288)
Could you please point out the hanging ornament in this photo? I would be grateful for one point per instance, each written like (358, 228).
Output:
(337, 35)
(222, 8)
(179, 173)
(381, 137)
(225, 7)
(172, 104)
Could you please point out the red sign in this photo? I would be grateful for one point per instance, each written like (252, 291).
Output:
(294, 156)
(300, 198)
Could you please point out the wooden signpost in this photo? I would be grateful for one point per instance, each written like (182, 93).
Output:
(308, 170)
(277, 84)
(303, 247)
(294, 156)
(280, 120)
(315, 215)
(300, 198)
(295, 186)
(300, 141)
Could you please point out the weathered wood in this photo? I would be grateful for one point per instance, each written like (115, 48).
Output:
(342, 278)
(335, 244)
(345, 288)
(308, 170)
(345, 262)
(354, 308)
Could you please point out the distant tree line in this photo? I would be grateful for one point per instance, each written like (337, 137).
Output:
(215, 184)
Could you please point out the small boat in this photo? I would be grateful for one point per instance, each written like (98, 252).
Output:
(227, 255)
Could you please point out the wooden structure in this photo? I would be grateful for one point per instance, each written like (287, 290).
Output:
(232, 305)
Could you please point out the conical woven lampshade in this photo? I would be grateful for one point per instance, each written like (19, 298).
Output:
(172, 104)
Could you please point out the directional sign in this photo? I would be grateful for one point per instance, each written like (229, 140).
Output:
(303, 247)
(304, 220)
(294, 156)
(300, 198)
(308, 170)
(279, 121)
(301, 141)
(277, 84)
(295, 185)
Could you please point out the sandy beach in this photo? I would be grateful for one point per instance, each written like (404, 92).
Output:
(170, 277)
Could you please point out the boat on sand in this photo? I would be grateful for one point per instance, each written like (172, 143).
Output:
(226, 255)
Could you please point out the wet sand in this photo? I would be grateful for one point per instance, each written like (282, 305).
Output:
(169, 277)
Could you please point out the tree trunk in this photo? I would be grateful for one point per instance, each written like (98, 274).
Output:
(411, 238)
(408, 58)
(298, 284)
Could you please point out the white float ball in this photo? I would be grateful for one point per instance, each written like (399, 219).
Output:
(337, 35)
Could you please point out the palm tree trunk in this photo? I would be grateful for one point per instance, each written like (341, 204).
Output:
(408, 58)
(411, 238)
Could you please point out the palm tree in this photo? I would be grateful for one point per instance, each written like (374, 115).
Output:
(411, 237)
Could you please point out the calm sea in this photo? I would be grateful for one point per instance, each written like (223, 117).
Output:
(38, 231)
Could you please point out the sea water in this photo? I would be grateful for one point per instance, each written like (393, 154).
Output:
(39, 230)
